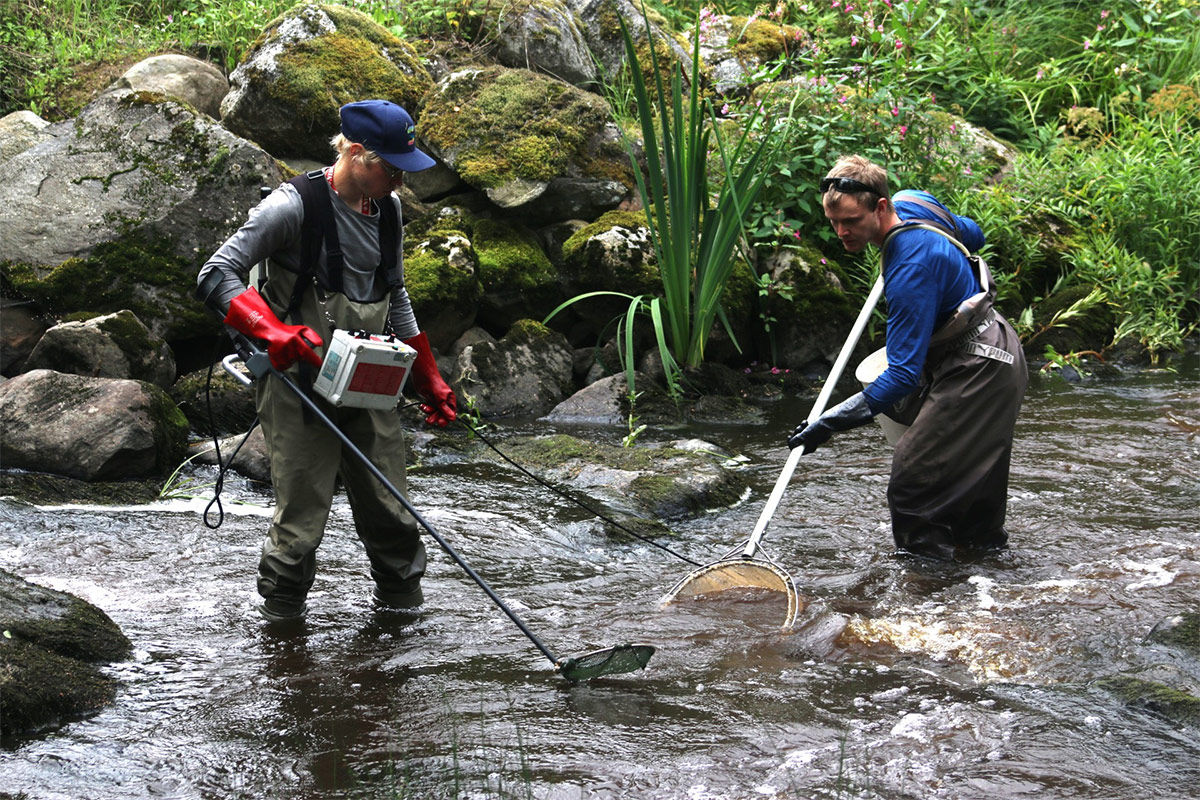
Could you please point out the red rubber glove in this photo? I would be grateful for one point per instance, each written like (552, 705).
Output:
(440, 403)
(286, 344)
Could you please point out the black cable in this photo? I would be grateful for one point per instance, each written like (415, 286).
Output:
(572, 498)
(219, 484)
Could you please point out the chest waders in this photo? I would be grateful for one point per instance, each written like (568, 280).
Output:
(597, 663)
(307, 457)
(949, 478)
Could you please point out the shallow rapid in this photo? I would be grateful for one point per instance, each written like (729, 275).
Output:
(899, 680)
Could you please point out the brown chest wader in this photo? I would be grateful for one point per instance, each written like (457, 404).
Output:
(307, 459)
(949, 480)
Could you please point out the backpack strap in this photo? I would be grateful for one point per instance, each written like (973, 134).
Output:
(320, 228)
(389, 236)
(938, 216)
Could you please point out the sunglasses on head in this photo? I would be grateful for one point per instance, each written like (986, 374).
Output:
(845, 185)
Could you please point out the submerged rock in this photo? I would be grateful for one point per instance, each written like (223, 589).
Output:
(661, 481)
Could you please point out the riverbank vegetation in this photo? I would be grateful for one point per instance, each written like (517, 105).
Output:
(1099, 214)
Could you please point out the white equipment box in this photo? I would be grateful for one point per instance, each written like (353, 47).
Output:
(364, 370)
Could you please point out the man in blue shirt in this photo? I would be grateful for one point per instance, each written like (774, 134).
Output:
(956, 374)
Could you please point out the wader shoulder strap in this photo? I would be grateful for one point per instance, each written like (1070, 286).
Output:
(320, 228)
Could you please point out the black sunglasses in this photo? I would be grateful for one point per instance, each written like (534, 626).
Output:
(846, 185)
(392, 172)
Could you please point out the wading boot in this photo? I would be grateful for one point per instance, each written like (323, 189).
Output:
(279, 609)
(397, 600)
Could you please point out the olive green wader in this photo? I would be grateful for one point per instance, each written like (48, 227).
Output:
(307, 458)
(949, 480)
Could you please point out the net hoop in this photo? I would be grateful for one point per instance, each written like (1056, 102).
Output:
(738, 573)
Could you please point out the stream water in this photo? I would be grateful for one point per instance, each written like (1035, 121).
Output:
(898, 681)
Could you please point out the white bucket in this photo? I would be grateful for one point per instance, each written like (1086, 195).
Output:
(868, 370)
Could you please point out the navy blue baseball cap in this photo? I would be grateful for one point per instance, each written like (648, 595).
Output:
(387, 130)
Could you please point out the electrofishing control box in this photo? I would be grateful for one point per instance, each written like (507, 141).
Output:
(364, 370)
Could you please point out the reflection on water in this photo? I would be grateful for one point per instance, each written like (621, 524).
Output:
(899, 680)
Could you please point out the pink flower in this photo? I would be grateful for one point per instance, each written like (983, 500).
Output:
(725, 110)
(1087, 44)
(903, 130)
(895, 111)
(899, 44)
(854, 40)
(823, 261)
(1104, 14)
(842, 99)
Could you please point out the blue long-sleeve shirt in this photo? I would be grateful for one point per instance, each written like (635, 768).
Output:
(925, 278)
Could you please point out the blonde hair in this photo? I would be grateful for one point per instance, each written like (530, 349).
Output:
(863, 170)
(342, 145)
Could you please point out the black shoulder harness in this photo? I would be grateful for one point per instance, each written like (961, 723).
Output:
(320, 227)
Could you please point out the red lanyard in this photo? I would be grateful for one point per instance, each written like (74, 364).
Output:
(364, 205)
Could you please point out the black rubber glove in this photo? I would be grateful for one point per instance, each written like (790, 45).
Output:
(850, 414)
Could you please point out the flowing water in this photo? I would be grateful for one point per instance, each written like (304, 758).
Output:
(898, 681)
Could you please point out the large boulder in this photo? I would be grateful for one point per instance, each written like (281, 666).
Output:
(529, 142)
(109, 346)
(189, 80)
(93, 429)
(52, 644)
(527, 372)
(309, 63)
(600, 22)
(545, 37)
(118, 209)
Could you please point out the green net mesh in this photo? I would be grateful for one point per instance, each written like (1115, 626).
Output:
(609, 661)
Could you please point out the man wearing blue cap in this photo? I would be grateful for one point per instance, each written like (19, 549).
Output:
(337, 266)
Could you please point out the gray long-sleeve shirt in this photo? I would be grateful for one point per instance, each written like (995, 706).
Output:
(272, 233)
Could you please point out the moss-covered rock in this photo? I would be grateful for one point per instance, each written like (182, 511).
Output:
(1155, 697)
(513, 134)
(517, 277)
(309, 63)
(441, 273)
(50, 642)
(139, 191)
(662, 481)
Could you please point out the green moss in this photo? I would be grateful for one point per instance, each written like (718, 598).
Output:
(107, 280)
(762, 40)
(39, 688)
(509, 258)
(46, 489)
(338, 66)
(441, 268)
(506, 124)
(129, 334)
(1153, 696)
(1181, 631)
(170, 428)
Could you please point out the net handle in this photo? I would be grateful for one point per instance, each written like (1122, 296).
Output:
(835, 374)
